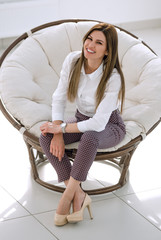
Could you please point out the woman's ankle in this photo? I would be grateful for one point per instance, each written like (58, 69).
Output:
(64, 206)
(78, 200)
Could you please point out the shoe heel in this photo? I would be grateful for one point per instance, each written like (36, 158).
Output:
(90, 212)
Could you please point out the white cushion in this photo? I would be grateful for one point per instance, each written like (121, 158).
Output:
(30, 75)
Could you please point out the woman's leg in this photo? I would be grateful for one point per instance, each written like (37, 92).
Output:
(78, 196)
(63, 170)
(73, 193)
(63, 167)
(89, 143)
(113, 133)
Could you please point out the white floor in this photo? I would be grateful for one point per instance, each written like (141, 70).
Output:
(133, 212)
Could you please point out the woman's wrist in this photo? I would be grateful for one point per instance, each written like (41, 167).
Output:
(54, 127)
(72, 128)
(63, 127)
(59, 127)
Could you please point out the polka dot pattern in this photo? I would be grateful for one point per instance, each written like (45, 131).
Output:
(90, 141)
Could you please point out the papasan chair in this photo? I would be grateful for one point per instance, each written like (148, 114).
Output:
(30, 69)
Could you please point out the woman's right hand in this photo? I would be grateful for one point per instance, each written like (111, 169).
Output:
(57, 146)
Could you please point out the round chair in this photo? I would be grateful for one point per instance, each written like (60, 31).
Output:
(30, 69)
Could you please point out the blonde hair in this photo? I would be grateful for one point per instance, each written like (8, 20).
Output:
(110, 62)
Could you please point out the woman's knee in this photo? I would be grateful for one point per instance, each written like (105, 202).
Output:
(90, 137)
(45, 140)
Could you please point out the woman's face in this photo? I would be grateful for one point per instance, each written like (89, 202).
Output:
(95, 46)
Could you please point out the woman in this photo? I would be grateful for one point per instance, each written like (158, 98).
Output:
(93, 78)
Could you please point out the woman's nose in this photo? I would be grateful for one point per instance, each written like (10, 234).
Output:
(92, 44)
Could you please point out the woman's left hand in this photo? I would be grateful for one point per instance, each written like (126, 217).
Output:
(50, 127)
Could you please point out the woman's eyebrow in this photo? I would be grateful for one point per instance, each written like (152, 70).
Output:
(99, 40)
(96, 39)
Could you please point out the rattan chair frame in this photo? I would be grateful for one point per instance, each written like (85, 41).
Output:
(120, 158)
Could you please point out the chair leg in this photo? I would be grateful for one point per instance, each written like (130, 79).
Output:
(32, 161)
(125, 162)
(40, 158)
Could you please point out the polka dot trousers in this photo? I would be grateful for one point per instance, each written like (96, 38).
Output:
(90, 141)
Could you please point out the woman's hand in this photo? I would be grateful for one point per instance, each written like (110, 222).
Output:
(57, 146)
(50, 127)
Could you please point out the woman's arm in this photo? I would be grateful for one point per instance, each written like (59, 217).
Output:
(59, 97)
(57, 146)
(55, 128)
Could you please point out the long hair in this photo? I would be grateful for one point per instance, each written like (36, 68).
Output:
(110, 62)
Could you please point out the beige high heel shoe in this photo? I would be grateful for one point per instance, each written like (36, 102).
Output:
(78, 216)
(60, 220)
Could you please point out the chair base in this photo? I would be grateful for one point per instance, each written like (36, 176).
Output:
(120, 159)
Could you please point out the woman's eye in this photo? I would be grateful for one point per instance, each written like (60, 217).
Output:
(89, 38)
(99, 43)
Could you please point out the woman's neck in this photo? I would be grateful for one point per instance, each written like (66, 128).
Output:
(90, 67)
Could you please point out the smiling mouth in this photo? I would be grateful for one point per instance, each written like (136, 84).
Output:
(90, 51)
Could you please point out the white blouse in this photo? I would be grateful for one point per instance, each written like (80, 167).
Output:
(85, 100)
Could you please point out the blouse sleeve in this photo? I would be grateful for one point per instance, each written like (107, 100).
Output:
(59, 97)
(108, 104)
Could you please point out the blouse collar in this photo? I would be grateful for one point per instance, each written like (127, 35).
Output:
(94, 74)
